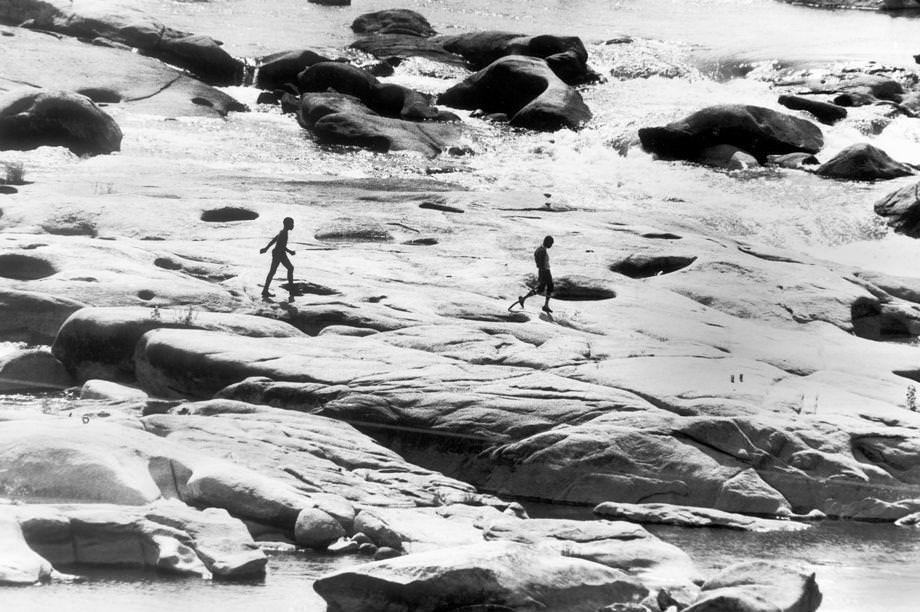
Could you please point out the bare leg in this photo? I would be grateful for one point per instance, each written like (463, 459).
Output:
(290, 276)
(271, 274)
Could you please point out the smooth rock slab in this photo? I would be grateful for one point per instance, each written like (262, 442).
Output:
(689, 516)
(760, 586)
(518, 576)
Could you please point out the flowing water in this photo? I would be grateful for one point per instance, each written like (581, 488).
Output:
(686, 49)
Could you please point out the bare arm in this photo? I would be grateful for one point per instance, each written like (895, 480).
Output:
(267, 246)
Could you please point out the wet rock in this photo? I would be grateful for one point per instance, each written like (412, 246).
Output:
(689, 516)
(343, 546)
(760, 586)
(911, 520)
(863, 162)
(793, 161)
(759, 131)
(646, 265)
(393, 21)
(901, 209)
(316, 529)
(33, 370)
(823, 111)
(506, 574)
(100, 342)
(57, 118)
(385, 552)
(278, 69)
(331, 2)
(341, 77)
(565, 55)
(524, 88)
(727, 157)
(368, 549)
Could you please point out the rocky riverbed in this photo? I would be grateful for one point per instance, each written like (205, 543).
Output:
(168, 418)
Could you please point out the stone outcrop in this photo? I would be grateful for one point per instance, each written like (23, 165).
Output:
(57, 119)
(100, 342)
(393, 21)
(498, 573)
(760, 586)
(863, 162)
(825, 112)
(688, 516)
(33, 370)
(526, 90)
(279, 69)
(565, 55)
(124, 25)
(901, 210)
(753, 129)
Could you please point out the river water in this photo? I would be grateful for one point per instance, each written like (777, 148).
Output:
(688, 47)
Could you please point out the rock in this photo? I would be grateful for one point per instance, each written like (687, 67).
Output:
(106, 73)
(385, 552)
(565, 55)
(505, 574)
(393, 21)
(759, 131)
(524, 88)
(746, 492)
(33, 370)
(201, 55)
(339, 119)
(316, 529)
(863, 162)
(793, 161)
(331, 2)
(901, 209)
(368, 549)
(377, 530)
(911, 520)
(689, 516)
(338, 76)
(389, 46)
(278, 69)
(100, 342)
(728, 157)
(343, 546)
(19, 564)
(361, 538)
(95, 389)
(33, 317)
(760, 586)
(824, 112)
(57, 118)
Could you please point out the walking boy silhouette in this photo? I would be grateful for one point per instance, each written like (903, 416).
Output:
(544, 276)
(280, 256)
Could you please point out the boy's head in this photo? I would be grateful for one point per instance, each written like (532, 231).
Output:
(548, 242)
(288, 223)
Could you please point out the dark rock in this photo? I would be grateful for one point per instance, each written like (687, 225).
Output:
(901, 209)
(290, 103)
(331, 2)
(393, 21)
(228, 213)
(7, 190)
(201, 55)
(337, 76)
(853, 99)
(267, 97)
(387, 46)
(367, 548)
(524, 88)
(759, 131)
(101, 95)
(337, 119)
(728, 157)
(793, 161)
(45, 118)
(275, 70)
(379, 69)
(33, 370)
(385, 552)
(645, 265)
(565, 55)
(824, 112)
(863, 162)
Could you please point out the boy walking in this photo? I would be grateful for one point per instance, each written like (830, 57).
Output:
(280, 256)
(544, 276)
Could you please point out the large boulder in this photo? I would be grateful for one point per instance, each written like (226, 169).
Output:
(526, 90)
(33, 317)
(344, 120)
(19, 564)
(825, 112)
(57, 119)
(863, 162)
(124, 25)
(565, 55)
(393, 21)
(33, 370)
(754, 129)
(100, 342)
(901, 210)
(278, 69)
(316, 529)
(760, 586)
(507, 574)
